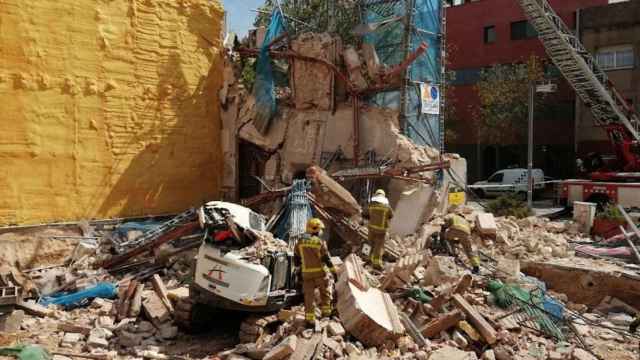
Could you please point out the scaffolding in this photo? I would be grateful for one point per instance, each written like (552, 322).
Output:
(420, 21)
(397, 29)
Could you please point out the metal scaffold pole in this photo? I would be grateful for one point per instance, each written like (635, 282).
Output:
(406, 47)
(443, 74)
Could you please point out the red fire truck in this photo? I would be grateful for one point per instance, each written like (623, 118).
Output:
(617, 181)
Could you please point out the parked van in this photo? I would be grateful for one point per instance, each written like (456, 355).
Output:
(509, 181)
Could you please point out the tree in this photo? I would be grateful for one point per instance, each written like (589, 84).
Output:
(312, 15)
(503, 91)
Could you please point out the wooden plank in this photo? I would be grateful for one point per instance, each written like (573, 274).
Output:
(442, 323)
(161, 290)
(480, 323)
(413, 330)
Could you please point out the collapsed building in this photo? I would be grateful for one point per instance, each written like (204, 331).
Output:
(120, 289)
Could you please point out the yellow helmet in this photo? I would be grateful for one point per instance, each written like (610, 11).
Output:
(314, 226)
(380, 192)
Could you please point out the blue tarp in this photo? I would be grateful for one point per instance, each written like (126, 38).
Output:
(101, 290)
(264, 87)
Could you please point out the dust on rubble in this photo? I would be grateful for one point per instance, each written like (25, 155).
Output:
(32, 248)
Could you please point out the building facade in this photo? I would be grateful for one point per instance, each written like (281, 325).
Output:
(484, 33)
(111, 112)
(612, 34)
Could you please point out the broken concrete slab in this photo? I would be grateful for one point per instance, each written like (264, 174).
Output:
(155, 309)
(312, 83)
(585, 283)
(32, 308)
(354, 272)
(335, 329)
(283, 349)
(368, 315)
(413, 207)
(442, 270)
(330, 194)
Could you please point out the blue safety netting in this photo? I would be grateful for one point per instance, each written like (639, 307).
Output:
(264, 87)
(422, 129)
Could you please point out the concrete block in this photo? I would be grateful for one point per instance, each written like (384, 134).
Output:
(283, 349)
(335, 329)
(486, 224)
(71, 339)
(155, 309)
(442, 270)
(69, 327)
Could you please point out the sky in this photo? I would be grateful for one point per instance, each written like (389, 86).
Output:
(240, 15)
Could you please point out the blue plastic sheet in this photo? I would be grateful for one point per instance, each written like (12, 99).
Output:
(122, 230)
(264, 87)
(101, 290)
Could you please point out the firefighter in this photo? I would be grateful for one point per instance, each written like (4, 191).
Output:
(379, 213)
(312, 256)
(457, 230)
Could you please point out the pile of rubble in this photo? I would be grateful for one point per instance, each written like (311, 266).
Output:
(424, 305)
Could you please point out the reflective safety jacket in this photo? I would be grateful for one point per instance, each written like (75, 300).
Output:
(313, 257)
(379, 216)
(457, 222)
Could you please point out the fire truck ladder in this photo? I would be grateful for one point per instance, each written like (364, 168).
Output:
(580, 68)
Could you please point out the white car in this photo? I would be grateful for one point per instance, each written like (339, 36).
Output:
(509, 181)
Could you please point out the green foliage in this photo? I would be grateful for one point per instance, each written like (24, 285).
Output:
(503, 91)
(312, 15)
(611, 212)
(509, 205)
(248, 76)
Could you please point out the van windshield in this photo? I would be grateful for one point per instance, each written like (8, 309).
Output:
(496, 178)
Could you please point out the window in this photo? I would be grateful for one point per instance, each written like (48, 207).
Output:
(522, 30)
(616, 57)
(496, 178)
(489, 34)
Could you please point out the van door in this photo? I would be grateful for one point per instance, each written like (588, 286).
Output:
(495, 179)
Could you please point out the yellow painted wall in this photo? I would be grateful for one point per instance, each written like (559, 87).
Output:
(108, 108)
